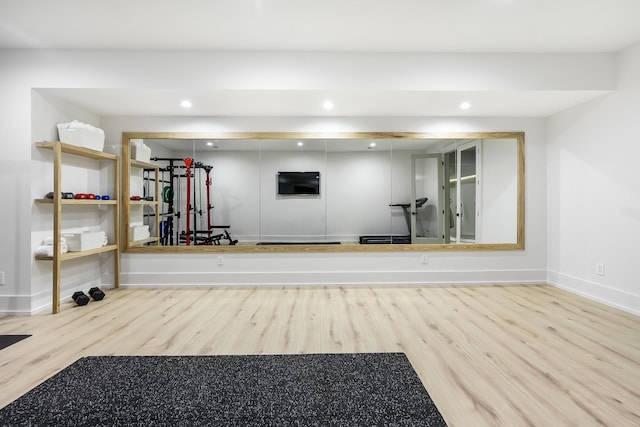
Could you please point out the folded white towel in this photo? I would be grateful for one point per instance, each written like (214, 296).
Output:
(47, 250)
(49, 241)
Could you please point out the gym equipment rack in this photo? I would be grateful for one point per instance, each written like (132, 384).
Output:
(167, 225)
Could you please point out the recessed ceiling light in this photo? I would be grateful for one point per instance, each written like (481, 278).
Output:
(373, 144)
(300, 143)
(327, 105)
(186, 104)
(465, 105)
(209, 143)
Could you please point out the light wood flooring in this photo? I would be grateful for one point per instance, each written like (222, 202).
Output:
(487, 355)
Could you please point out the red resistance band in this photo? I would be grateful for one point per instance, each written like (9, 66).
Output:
(187, 163)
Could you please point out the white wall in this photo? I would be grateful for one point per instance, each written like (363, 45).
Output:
(499, 188)
(593, 197)
(291, 218)
(15, 174)
(356, 190)
(350, 268)
(235, 191)
(359, 186)
(22, 71)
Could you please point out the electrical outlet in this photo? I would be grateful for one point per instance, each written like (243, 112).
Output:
(600, 269)
(1, 277)
(220, 260)
(424, 259)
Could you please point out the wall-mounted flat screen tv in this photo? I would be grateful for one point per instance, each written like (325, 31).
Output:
(298, 183)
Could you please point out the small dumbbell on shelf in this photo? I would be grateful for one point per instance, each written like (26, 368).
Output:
(65, 195)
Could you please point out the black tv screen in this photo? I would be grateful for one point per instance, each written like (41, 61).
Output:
(292, 183)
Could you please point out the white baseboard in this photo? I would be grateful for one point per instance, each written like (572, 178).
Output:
(40, 302)
(333, 278)
(595, 291)
(15, 304)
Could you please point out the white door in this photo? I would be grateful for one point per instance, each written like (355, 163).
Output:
(461, 214)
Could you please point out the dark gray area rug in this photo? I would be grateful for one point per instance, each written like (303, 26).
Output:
(368, 389)
(7, 340)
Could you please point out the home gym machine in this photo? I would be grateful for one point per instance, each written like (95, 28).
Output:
(395, 239)
(170, 227)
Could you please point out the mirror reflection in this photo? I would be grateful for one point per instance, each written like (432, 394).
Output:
(356, 192)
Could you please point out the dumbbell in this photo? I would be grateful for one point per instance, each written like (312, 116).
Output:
(96, 294)
(80, 298)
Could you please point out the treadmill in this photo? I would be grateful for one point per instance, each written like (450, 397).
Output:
(395, 239)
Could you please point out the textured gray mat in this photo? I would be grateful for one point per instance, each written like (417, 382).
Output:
(370, 389)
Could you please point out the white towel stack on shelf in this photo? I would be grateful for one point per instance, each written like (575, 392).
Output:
(138, 231)
(81, 134)
(47, 247)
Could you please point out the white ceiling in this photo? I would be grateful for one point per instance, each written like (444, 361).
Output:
(326, 25)
(458, 26)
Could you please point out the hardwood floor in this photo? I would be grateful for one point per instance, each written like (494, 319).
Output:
(487, 355)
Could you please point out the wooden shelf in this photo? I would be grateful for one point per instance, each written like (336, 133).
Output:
(143, 241)
(144, 165)
(79, 151)
(133, 207)
(73, 255)
(143, 202)
(78, 202)
(57, 202)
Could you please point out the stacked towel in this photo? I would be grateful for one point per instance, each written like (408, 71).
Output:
(47, 247)
(48, 241)
(75, 124)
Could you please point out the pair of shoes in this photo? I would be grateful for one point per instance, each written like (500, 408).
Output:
(82, 299)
